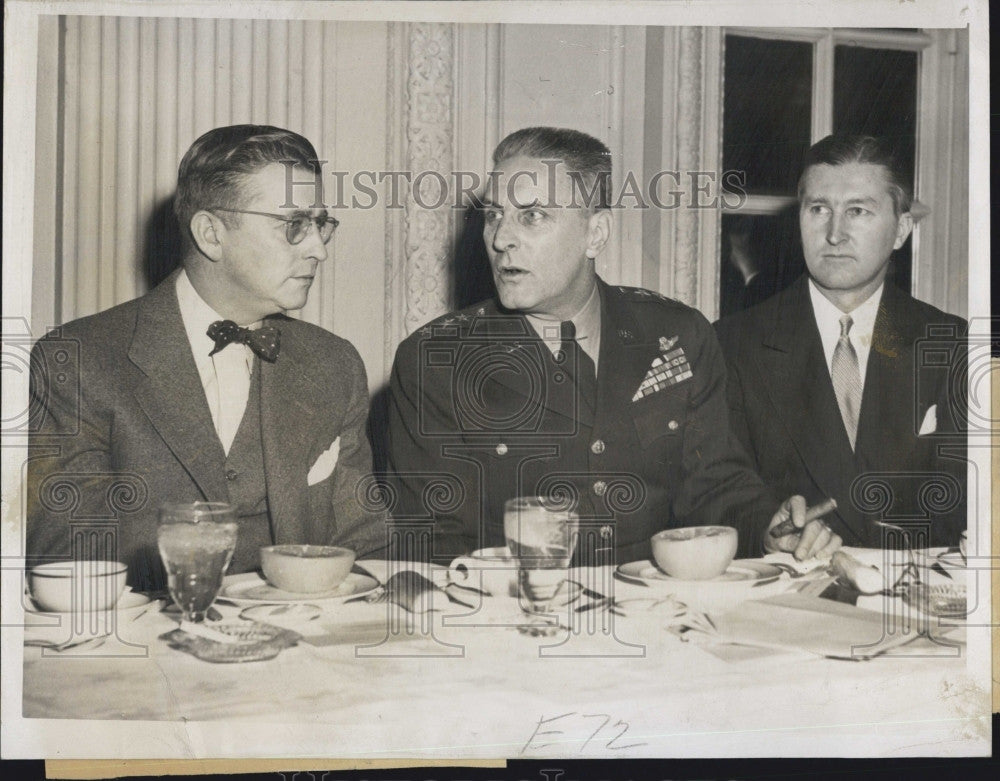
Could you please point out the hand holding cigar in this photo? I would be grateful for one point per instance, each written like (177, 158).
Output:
(814, 512)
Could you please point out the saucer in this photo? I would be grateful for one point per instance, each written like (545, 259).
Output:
(130, 606)
(736, 585)
(49, 628)
(743, 572)
(251, 589)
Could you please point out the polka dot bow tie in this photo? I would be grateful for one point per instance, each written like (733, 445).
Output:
(265, 341)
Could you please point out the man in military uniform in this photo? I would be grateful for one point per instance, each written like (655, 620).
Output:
(610, 398)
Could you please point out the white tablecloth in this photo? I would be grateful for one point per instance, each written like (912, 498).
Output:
(474, 687)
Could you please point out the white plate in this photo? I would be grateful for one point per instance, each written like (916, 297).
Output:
(741, 573)
(737, 584)
(251, 589)
(131, 605)
(48, 628)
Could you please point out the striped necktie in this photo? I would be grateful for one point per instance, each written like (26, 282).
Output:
(847, 379)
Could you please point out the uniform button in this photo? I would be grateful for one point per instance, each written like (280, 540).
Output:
(672, 425)
(501, 449)
(597, 447)
(600, 488)
(231, 474)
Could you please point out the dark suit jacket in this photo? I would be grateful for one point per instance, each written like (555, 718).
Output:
(783, 408)
(121, 425)
(478, 415)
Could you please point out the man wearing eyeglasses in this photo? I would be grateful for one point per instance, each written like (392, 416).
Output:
(203, 389)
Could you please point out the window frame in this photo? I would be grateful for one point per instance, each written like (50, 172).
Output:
(825, 41)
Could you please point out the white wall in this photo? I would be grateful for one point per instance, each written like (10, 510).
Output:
(121, 100)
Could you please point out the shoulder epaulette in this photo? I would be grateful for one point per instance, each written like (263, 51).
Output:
(642, 294)
(453, 323)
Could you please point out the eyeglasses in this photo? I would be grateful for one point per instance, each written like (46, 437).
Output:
(296, 228)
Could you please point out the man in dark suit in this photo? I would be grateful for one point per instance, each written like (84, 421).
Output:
(203, 389)
(837, 386)
(608, 398)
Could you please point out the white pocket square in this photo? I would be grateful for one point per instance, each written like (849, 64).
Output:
(929, 426)
(324, 465)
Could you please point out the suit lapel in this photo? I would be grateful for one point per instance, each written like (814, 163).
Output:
(171, 394)
(889, 370)
(794, 371)
(289, 397)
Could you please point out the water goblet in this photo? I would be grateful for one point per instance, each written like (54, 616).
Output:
(541, 535)
(196, 542)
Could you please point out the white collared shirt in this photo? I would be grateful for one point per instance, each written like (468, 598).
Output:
(225, 376)
(587, 323)
(828, 321)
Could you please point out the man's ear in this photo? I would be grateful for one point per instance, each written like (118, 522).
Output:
(208, 230)
(599, 226)
(903, 228)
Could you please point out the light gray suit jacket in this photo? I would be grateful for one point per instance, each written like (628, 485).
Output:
(120, 425)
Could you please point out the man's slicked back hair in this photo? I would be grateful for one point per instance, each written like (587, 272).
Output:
(214, 169)
(586, 159)
(843, 149)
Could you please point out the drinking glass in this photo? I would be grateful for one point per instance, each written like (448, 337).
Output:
(196, 543)
(541, 535)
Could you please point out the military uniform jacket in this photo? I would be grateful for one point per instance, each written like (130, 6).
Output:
(481, 412)
(909, 463)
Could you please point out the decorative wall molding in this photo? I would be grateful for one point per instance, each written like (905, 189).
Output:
(430, 149)
(941, 240)
(123, 98)
(395, 306)
(688, 158)
(684, 83)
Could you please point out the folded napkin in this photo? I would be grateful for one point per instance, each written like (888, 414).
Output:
(819, 626)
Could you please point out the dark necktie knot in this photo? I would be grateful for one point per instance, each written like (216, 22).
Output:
(265, 342)
(567, 331)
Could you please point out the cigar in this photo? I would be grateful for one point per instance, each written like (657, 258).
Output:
(812, 513)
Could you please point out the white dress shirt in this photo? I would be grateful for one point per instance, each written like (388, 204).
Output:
(587, 323)
(225, 376)
(828, 321)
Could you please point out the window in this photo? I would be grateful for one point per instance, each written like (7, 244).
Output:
(783, 91)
